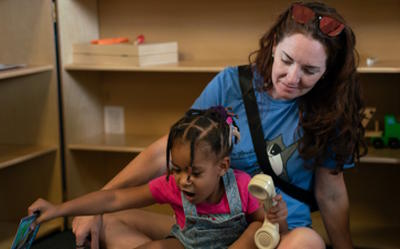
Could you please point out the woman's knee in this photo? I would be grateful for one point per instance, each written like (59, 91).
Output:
(302, 237)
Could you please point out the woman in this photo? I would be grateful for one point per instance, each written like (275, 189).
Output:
(309, 100)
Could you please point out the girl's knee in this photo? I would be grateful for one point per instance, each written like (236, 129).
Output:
(302, 237)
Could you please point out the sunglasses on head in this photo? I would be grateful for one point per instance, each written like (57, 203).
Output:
(327, 25)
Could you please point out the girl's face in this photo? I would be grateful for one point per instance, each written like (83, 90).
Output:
(299, 62)
(204, 184)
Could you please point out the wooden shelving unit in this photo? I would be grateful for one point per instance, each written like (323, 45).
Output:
(211, 35)
(30, 165)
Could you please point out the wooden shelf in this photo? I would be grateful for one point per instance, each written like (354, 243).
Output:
(114, 143)
(14, 154)
(182, 66)
(378, 69)
(137, 143)
(8, 230)
(380, 66)
(389, 156)
(18, 72)
(210, 67)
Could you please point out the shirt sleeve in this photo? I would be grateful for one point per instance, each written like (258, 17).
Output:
(331, 162)
(215, 91)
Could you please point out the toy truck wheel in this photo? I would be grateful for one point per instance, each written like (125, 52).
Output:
(394, 143)
(378, 143)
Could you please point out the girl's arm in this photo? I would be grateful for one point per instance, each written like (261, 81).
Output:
(246, 239)
(103, 201)
(278, 214)
(258, 215)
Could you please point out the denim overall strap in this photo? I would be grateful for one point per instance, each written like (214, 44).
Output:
(232, 192)
(213, 231)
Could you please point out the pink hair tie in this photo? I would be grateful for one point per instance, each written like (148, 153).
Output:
(229, 120)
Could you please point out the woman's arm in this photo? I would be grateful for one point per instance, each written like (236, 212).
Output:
(103, 201)
(331, 195)
(149, 164)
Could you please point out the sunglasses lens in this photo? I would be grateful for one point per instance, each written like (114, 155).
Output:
(330, 26)
(302, 14)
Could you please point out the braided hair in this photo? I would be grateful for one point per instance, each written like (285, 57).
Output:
(214, 126)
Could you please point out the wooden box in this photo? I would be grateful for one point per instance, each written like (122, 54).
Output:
(126, 54)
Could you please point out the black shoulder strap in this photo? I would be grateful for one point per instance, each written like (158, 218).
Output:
(257, 135)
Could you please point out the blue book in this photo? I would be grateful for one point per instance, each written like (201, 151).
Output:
(26, 233)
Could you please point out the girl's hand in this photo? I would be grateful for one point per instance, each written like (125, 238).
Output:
(279, 212)
(47, 211)
(85, 226)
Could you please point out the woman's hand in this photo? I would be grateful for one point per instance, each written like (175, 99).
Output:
(46, 209)
(85, 226)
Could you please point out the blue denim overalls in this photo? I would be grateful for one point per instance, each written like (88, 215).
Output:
(203, 232)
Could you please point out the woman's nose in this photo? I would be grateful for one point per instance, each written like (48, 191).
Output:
(294, 74)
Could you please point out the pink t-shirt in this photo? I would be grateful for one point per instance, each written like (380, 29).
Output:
(165, 191)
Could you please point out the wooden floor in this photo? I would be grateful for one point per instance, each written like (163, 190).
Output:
(66, 240)
(59, 240)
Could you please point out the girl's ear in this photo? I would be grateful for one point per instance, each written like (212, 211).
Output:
(224, 165)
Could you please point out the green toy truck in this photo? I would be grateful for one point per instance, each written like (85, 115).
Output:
(390, 136)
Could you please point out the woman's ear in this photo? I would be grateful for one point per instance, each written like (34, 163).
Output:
(224, 165)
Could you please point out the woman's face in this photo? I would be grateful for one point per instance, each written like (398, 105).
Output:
(204, 184)
(299, 62)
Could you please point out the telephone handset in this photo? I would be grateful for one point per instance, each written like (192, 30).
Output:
(262, 187)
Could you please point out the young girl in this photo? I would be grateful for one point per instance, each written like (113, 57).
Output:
(211, 202)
